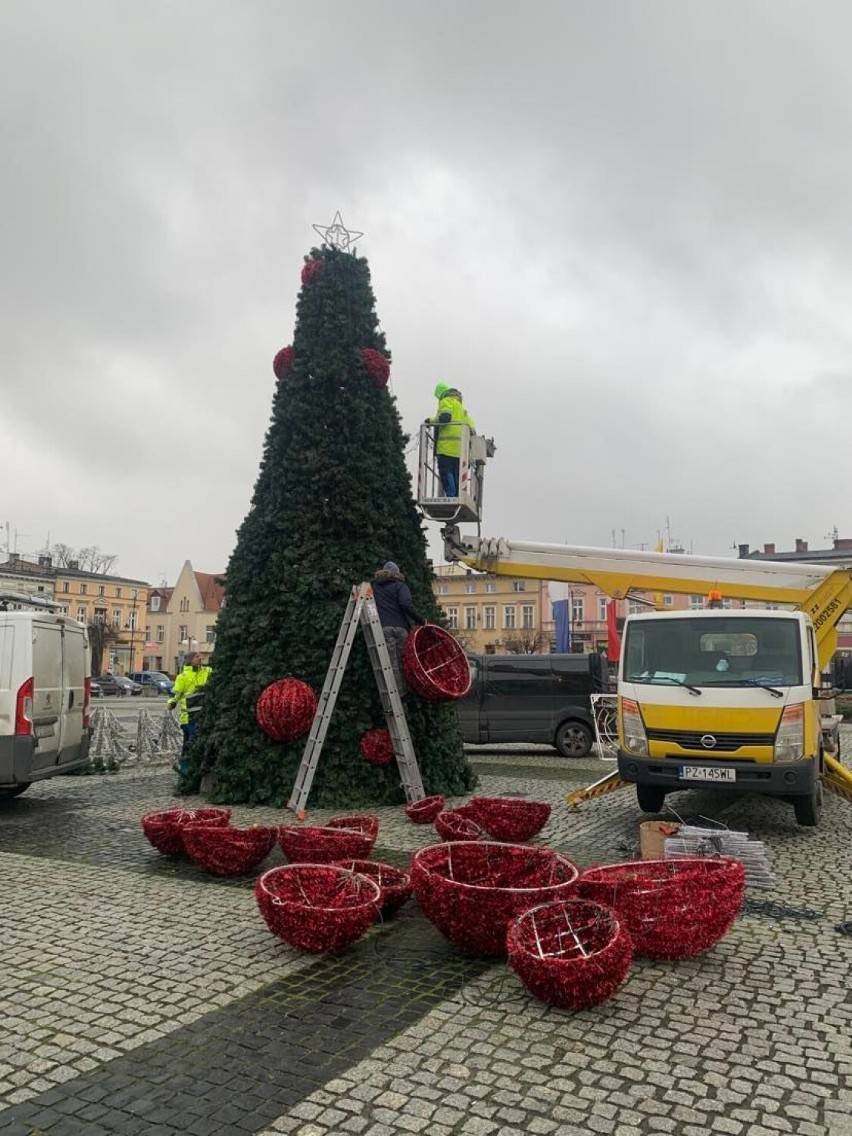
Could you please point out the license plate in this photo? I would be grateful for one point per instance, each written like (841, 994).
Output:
(706, 773)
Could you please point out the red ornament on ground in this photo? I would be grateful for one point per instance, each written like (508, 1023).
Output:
(458, 824)
(317, 845)
(312, 270)
(317, 907)
(510, 818)
(228, 851)
(394, 882)
(376, 747)
(435, 665)
(570, 953)
(376, 365)
(672, 909)
(365, 823)
(425, 810)
(285, 709)
(165, 829)
(472, 891)
(282, 364)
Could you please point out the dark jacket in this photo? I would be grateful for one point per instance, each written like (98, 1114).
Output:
(393, 601)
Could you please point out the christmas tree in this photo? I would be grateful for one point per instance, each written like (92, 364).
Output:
(331, 504)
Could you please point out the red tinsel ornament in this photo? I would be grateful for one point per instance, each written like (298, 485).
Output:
(376, 365)
(376, 747)
(282, 364)
(286, 709)
(319, 845)
(228, 851)
(165, 829)
(365, 823)
(571, 953)
(312, 270)
(317, 907)
(510, 818)
(394, 882)
(459, 824)
(426, 810)
(472, 891)
(435, 665)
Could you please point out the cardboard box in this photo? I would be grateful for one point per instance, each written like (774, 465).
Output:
(652, 838)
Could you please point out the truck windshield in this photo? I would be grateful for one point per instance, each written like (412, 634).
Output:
(722, 651)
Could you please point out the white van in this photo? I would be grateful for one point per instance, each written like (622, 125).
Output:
(44, 695)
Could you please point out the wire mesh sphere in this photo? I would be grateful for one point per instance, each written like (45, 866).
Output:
(323, 845)
(459, 824)
(435, 665)
(364, 823)
(165, 829)
(471, 891)
(317, 907)
(376, 747)
(286, 709)
(570, 953)
(672, 909)
(394, 882)
(282, 364)
(228, 851)
(510, 818)
(425, 810)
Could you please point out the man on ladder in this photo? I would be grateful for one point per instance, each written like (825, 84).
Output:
(397, 613)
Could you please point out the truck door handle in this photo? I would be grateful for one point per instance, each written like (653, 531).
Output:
(70, 699)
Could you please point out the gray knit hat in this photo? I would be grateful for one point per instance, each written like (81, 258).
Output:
(390, 566)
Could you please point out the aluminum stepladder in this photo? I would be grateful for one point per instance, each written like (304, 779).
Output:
(362, 610)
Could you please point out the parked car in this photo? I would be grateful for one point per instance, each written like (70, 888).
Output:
(533, 698)
(155, 682)
(95, 688)
(128, 686)
(109, 685)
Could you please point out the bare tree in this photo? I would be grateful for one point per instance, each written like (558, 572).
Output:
(524, 642)
(464, 641)
(100, 635)
(62, 555)
(89, 559)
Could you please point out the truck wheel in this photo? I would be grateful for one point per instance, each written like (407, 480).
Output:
(573, 739)
(651, 798)
(14, 790)
(808, 809)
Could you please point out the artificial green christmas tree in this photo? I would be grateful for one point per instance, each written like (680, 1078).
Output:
(332, 503)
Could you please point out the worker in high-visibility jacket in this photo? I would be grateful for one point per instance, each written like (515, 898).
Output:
(191, 679)
(451, 416)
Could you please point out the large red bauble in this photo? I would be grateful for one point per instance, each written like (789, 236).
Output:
(311, 271)
(376, 365)
(282, 364)
(286, 709)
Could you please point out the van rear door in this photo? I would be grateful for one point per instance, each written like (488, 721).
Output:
(48, 693)
(74, 666)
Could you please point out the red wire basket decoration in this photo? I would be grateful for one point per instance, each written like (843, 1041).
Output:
(435, 665)
(472, 891)
(358, 822)
(571, 953)
(672, 909)
(165, 829)
(509, 818)
(395, 883)
(317, 907)
(318, 845)
(228, 851)
(376, 746)
(459, 824)
(424, 811)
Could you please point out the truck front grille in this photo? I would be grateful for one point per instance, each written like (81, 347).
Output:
(724, 743)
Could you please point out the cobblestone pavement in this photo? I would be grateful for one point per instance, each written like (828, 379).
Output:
(140, 995)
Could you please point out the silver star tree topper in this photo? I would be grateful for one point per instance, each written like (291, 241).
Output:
(336, 235)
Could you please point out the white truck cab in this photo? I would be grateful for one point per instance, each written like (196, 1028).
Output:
(44, 696)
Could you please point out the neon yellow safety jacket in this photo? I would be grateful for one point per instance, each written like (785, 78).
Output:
(449, 434)
(187, 682)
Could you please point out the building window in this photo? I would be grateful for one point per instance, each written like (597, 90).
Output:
(635, 608)
(81, 614)
(100, 616)
(602, 602)
(131, 620)
(183, 632)
(101, 590)
(184, 604)
(727, 604)
(470, 589)
(155, 603)
(453, 618)
(66, 587)
(490, 618)
(147, 634)
(83, 589)
(519, 585)
(470, 619)
(528, 617)
(491, 588)
(210, 633)
(62, 609)
(696, 603)
(116, 617)
(118, 593)
(509, 617)
(443, 589)
(668, 601)
(161, 633)
(577, 608)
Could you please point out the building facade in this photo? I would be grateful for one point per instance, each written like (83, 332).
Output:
(182, 619)
(494, 614)
(115, 603)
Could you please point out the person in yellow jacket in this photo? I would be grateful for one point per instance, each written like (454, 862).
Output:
(448, 421)
(191, 679)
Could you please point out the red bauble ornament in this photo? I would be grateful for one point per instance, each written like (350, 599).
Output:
(317, 907)
(376, 365)
(282, 364)
(376, 747)
(435, 665)
(286, 709)
(165, 829)
(228, 851)
(312, 270)
(510, 818)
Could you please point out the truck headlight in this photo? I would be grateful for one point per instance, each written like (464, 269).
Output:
(790, 738)
(633, 728)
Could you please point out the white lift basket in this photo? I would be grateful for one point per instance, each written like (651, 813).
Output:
(467, 506)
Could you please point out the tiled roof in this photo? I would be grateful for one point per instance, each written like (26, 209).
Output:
(212, 589)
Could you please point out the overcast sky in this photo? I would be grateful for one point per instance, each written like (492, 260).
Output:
(624, 229)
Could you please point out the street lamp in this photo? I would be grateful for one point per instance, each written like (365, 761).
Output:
(190, 646)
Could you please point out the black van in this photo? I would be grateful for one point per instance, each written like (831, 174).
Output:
(533, 698)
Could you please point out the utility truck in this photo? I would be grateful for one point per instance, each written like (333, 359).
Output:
(731, 697)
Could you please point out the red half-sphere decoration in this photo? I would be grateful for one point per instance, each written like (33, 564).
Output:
(282, 364)
(165, 829)
(228, 851)
(317, 907)
(570, 953)
(365, 823)
(376, 365)
(311, 270)
(425, 810)
(323, 845)
(435, 664)
(286, 709)
(510, 818)
(394, 882)
(459, 824)
(376, 747)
